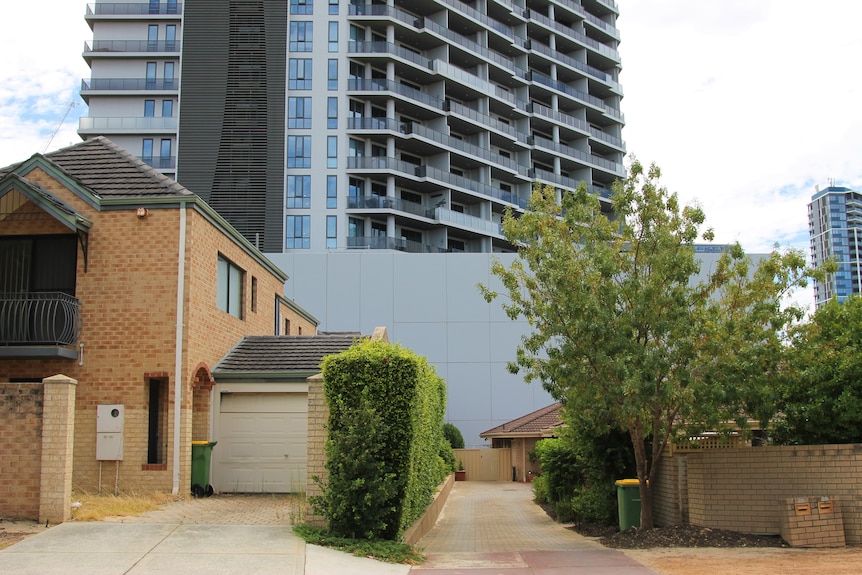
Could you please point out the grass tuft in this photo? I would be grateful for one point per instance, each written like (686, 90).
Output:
(96, 507)
(379, 549)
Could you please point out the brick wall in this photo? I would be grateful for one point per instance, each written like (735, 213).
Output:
(20, 449)
(670, 498)
(743, 489)
(812, 522)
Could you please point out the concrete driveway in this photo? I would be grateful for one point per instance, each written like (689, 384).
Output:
(495, 528)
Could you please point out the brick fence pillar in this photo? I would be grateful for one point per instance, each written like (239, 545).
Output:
(318, 416)
(58, 430)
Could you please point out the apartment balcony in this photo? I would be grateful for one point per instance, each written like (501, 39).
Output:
(39, 325)
(131, 48)
(125, 9)
(123, 86)
(387, 243)
(579, 95)
(138, 125)
(162, 163)
(388, 203)
(406, 94)
(468, 222)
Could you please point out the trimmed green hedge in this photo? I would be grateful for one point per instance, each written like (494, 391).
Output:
(386, 409)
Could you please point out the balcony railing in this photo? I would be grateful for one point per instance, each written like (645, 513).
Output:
(131, 84)
(160, 162)
(154, 123)
(388, 203)
(134, 9)
(124, 46)
(387, 243)
(50, 318)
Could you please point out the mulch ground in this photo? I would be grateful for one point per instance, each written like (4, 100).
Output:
(677, 536)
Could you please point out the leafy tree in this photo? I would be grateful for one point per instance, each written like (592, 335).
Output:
(453, 435)
(622, 334)
(821, 399)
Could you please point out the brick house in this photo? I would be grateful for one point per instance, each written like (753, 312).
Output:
(521, 435)
(132, 287)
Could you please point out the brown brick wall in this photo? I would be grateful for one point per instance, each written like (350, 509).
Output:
(128, 300)
(742, 489)
(812, 522)
(318, 416)
(20, 449)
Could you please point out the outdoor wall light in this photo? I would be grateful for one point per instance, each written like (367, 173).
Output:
(142, 213)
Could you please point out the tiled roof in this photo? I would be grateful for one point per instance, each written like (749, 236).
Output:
(109, 171)
(283, 353)
(531, 424)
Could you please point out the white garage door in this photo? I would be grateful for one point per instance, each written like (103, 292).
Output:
(262, 443)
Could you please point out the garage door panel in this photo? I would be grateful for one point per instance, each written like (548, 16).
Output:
(260, 449)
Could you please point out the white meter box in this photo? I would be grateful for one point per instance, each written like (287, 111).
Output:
(109, 432)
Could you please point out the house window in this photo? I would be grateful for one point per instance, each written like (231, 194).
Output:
(149, 108)
(298, 192)
(229, 281)
(331, 192)
(299, 151)
(301, 7)
(332, 113)
(332, 75)
(157, 420)
(331, 232)
(297, 232)
(301, 36)
(333, 36)
(253, 294)
(299, 74)
(332, 151)
(299, 112)
(286, 326)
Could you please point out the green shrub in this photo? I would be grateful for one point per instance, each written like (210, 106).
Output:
(386, 409)
(595, 503)
(447, 456)
(453, 435)
(540, 489)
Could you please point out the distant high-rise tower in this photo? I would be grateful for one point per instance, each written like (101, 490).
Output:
(835, 227)
(322, 125)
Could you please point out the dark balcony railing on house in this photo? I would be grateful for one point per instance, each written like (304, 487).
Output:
(39, 319)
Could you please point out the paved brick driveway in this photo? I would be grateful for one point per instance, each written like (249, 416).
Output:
(225, 509)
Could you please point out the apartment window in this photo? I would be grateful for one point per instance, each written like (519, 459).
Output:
(333, 6)
(170, 38)
(332, 113)
(297, 232)
(253, 294)
(299, 112)
(331, 232)
(172, 6)
(356, 71)
(152, 37)
(169, 75)
(301, 7)
(356, 188)
(229, 280)
(299, 151)
(147, 150)
(411, 197)
(332, 151)
(411, 159)
(332, 74)
(149, 108)
(167, 108)
(298, 192)
(333, 36)
(356, 109)
(411, 236)
(301, 36)
(154, 6)
(331, 192)
(357, 34)
(356, 148)
(299, 74)
(356, 228)
(157, 420)
(165, 153)
(151, 76)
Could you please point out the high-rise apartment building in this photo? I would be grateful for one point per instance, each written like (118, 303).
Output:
(835, 228)
(363, 145)
(324, 125)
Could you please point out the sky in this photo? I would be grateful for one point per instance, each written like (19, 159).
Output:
(745, 105)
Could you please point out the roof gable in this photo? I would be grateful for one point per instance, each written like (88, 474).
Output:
(21, 199)
(533, 424)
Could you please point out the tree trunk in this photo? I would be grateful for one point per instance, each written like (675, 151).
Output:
(642, 464)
